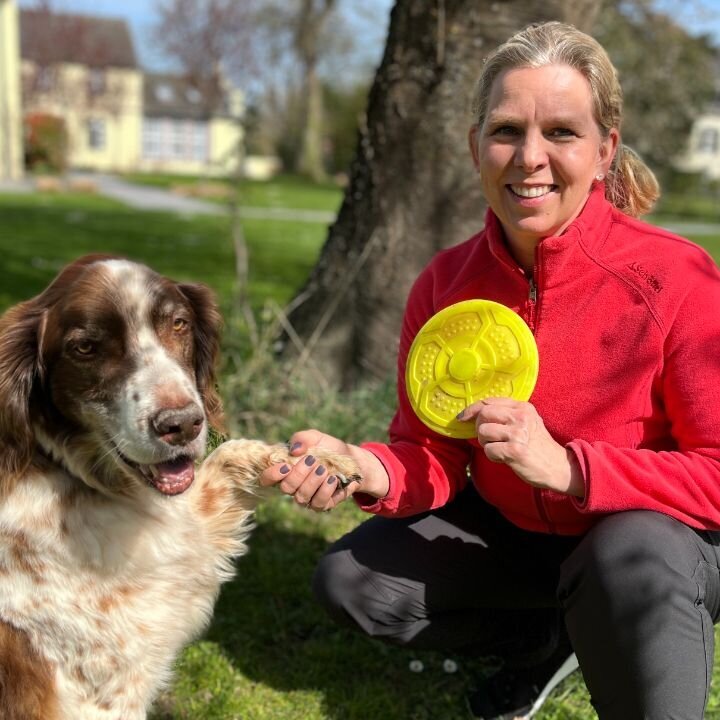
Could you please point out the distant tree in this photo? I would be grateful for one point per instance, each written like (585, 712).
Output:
(345, 106)
(667, 76)
(210, 41)
(302, 30)
(412, 188)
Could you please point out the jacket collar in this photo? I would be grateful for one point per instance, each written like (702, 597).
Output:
(589, 228)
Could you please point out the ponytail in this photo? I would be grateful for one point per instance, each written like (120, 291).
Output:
(631, 185)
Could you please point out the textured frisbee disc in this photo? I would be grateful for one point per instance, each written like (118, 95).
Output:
(466, 352)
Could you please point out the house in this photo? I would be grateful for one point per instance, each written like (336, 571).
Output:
(11, 152)
(185, 131)
(703, 150)
(82, 73)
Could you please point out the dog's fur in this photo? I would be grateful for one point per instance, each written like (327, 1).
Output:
(112, 548)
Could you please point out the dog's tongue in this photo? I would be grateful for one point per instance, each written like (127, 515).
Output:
(174, 477)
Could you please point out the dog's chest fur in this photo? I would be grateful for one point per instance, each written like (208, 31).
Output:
(94, 584)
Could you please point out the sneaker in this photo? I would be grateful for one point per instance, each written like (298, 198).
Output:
(519, 694)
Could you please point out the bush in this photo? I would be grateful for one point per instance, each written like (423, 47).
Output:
(46, 143)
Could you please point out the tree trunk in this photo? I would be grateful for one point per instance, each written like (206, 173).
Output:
(311, 154)
(412, 189)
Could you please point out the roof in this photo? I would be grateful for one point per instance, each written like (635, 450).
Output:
(47, 37)
(175, 96)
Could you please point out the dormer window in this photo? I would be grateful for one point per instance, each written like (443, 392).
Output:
(164, 93)
(96, 81)
(45, 79)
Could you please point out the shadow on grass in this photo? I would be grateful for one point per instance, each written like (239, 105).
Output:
(274, 633)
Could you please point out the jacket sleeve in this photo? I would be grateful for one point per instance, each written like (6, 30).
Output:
(683, 482)
(426, 469)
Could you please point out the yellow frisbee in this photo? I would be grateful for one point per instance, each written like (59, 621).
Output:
(466, 352)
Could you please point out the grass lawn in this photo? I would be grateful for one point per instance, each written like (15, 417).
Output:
(286, 191)
(270, 653)
(40, 234)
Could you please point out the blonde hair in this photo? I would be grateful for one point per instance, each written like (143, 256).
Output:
(630, 184)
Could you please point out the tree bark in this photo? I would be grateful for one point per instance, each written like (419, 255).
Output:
(308, 32)
(412, 188)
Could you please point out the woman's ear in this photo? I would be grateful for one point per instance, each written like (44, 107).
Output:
(473, 139)
(606, 153)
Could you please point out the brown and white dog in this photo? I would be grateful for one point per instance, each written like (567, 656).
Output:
(112, 547)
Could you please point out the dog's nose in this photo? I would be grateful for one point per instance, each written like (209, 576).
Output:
(178, 426)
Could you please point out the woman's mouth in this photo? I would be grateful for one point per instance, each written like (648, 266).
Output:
(531, 191)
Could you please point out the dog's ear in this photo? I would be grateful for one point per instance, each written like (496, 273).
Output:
(208, 324)
(21, 330)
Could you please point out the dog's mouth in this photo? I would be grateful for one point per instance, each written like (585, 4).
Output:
(170, 477)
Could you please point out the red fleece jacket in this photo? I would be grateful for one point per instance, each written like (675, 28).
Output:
(627, 323)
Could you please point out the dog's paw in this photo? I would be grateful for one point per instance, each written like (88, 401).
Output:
(342, 466)
(245, 460)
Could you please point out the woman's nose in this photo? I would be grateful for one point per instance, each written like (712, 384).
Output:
(530, 153)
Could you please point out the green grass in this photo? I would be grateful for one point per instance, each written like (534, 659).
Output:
(40, 234)
(270, 653)
(286, 191)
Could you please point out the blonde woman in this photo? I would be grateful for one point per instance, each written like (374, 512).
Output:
(590, 522)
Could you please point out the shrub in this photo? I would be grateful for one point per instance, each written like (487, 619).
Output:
(46, 143)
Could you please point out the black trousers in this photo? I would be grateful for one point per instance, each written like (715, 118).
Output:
(639, 594)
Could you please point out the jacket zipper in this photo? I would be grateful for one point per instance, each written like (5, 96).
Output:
(532, 323)
(532, 304)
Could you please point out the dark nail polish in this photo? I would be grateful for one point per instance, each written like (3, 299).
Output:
(331, 480)
(319, 470)
(309, 460)
(459, 416)
(284, 469)
(295, 446)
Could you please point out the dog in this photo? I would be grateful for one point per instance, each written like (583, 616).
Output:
(113, 545)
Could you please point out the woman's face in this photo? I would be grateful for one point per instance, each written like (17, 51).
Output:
(539, 151)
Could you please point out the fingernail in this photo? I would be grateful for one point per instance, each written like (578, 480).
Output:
(331, 480)
(319, 470)
(284, 469)
(295, 446)
(309, 460)
(459, 416)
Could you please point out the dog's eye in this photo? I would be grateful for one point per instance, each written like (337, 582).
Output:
(85, 348)
(180, 324)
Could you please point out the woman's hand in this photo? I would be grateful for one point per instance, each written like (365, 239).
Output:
(310, 483)
(513, 433)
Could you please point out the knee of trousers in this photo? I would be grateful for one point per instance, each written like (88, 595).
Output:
(333, 581)
(630, 559)
(364, 601)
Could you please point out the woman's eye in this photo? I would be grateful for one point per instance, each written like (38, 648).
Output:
(180, 324)
(505, 130)
(561, 133)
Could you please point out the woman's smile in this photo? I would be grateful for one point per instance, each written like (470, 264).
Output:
(531, 192)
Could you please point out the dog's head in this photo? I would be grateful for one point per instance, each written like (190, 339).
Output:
(111, 371)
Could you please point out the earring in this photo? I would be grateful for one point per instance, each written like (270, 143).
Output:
(599, 177)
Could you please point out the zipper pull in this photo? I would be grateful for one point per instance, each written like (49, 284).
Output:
(532, 291)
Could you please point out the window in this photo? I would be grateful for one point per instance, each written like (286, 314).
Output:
(193, 95)
(45, 79)
(96, 133)
(708, 142)
(164, 93)
(96, 81)
(168, 139)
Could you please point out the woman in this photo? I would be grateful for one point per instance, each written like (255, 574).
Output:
(600, 498)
